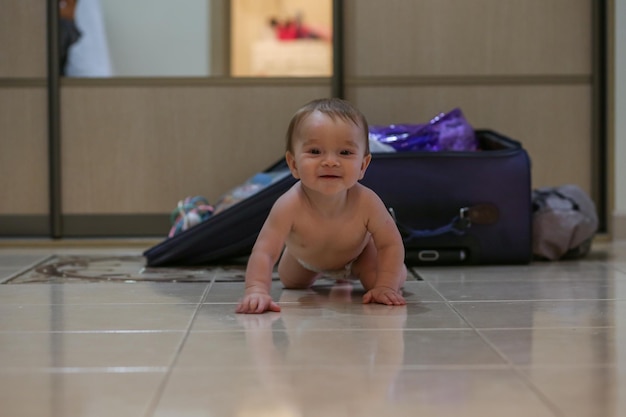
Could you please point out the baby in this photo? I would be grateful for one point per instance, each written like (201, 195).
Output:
(327, 223)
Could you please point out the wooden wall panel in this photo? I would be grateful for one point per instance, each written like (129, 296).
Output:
(522, 68)
(23, 38)
(477, 37)
(23, 151)
(140, 149)
(552, 122)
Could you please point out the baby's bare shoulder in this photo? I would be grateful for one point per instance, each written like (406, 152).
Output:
(289, 201)
(370, 206)
(366, 197)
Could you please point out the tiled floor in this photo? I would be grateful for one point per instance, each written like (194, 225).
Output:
(89, 332)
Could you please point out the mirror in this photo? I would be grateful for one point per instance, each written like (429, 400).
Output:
(281, 38)
(196, 38)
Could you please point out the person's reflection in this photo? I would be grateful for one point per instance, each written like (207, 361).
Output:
(294, 28)
(322, 366)
(68, 32)
(83, 43)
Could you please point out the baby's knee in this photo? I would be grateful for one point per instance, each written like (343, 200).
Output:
(405, 274)
(296, 284)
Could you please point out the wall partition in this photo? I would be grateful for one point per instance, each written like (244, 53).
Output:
(107, 145)
(129, 140)
(24, 180)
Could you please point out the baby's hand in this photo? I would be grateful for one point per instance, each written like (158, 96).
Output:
(384, 295)
(256, 303)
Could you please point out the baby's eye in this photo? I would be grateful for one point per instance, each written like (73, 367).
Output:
(346, 152)
(314, 151)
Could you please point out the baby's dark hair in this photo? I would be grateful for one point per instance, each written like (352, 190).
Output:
(333, 108)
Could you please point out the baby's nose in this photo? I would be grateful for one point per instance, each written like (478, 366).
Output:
(330, 160)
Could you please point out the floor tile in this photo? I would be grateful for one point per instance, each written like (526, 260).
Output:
(593, 288)
(350, 391)
(99, 293)
(608, 251)
(78, 394)
(413, 291)
(231, 292)
(266, 343)
(102, 317)
(8, 272)
(283, 349)
(541, 314)
(419, 291)
(538, 271)
(112, 268)
(450, 348)
(233, 273)
(32, 351)
(476, 392)
(543, 347)
(338, 315)
(583, 391)
(98, 338)
(324, 315)
(9, 259)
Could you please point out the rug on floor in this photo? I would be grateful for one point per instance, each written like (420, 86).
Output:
(67, 269)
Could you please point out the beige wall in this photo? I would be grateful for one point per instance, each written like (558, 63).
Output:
(466, 38)
(130, 149)
(22, 39)
(23, 151)
(23, 109)
(521, 68)
(135, 147)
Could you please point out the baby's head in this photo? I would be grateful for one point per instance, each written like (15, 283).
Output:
(334, 108)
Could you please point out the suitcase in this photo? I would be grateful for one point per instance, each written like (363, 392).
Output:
(450, 207)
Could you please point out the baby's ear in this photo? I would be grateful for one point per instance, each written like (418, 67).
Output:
(291, 162)
(366, 162)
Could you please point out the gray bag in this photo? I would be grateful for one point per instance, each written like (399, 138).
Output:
(564, 222)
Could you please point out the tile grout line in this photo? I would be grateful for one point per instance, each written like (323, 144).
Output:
(525, 380)
(531, 386)
(25, 269)
(152, 406)
(541, 300)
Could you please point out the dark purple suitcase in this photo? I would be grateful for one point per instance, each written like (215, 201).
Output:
(451, 208)
(435, 196)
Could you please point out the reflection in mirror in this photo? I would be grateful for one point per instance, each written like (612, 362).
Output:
(281, 38)
(83, 42)
(140, 38)
(195, 38)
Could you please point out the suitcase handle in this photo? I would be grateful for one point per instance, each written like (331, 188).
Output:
(477, 214)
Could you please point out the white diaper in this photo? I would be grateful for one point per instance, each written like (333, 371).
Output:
(338, 274)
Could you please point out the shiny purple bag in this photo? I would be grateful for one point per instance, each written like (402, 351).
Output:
(445, 132)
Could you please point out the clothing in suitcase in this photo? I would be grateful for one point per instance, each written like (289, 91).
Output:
(451, 208)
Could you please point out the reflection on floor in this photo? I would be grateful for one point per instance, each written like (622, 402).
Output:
(92, 332)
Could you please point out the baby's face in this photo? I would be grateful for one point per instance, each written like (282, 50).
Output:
(328, 155)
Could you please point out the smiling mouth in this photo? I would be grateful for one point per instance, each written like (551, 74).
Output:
(329, 176)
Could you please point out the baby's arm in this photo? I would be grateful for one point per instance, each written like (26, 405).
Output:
(264, 256)
(391, 272)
